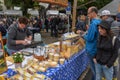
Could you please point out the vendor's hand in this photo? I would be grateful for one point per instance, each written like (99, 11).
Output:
(94, 60)
(24, 42)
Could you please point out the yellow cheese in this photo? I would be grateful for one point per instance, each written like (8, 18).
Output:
(68, 53)
(20, 71)
(35, 67)
(40, 76)
(42, 69)
(1, 78)
(31, 70)
(27, 74)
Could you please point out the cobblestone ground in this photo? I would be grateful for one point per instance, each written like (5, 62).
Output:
(47, 39)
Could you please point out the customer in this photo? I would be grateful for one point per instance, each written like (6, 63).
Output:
(116, 29)
(107, 52)
(106, 15)
(91, 37)
(18, 36)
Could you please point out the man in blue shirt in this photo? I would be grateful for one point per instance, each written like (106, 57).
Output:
(91, 37)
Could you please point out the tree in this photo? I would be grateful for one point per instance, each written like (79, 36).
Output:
(24, 4)
(9, 4)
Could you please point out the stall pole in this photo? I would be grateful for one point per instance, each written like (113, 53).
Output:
(68, 24)
(74, 15)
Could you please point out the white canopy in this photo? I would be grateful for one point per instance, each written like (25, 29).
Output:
(52, 12)
(13, 12)
(112, 7)
(33, 12)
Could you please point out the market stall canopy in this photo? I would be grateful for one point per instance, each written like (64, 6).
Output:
(1, 12)
(13, 12)
(63, 3)
(44, 4)
(33, 12)
(112, 7)
(52, 12)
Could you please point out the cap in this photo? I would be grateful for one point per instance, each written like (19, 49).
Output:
(105, 12)
(104, 24)
(118, 17)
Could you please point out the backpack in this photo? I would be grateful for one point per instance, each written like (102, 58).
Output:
(113, 43)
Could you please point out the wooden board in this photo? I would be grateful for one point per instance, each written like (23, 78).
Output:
(3, 65)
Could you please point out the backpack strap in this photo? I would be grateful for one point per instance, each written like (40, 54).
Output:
(113, 40)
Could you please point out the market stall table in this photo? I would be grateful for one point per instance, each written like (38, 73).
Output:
(70, 70)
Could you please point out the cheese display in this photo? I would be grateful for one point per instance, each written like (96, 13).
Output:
(55, 57)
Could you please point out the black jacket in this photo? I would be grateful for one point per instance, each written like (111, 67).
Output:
(106, 52)
(3, 30)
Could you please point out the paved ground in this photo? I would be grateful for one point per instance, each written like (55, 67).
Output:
(48, 39)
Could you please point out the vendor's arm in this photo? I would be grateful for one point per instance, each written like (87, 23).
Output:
(21, 42)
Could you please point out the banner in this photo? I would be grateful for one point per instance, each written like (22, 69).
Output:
(57, 2)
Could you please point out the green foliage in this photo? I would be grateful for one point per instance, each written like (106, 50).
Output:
(98, 3)
(8, 3)
(18, 58)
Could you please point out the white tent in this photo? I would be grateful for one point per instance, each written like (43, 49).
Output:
(33, 12)
(52, 12)
(112, 7)
(13, 12)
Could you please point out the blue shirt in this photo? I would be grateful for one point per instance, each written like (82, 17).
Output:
(91, 37)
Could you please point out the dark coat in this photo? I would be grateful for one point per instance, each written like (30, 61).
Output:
(106, 51)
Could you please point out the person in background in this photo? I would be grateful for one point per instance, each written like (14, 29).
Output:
(81, 23)
(115, 27)
(3, 29)
(107, 53)
(46, 24)
(91, 37)
(105, 15)
(18, 36)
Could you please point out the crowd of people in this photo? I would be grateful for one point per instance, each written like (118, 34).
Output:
(102, 36)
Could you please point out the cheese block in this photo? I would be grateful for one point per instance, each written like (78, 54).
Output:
(26, 78)
(62, 53)
(40, 76)
(42, 69)
(56, 56)
(34, 78)
(68, 53)
(20, 71)
(26, 74)
(53, 64)
(62, 61)
(35, 67)
(31, 70)
(17, 77)
(35, 60)
(1, 78)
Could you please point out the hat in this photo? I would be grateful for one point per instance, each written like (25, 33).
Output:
(105, 12)
(104, 24)
(118, 17)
